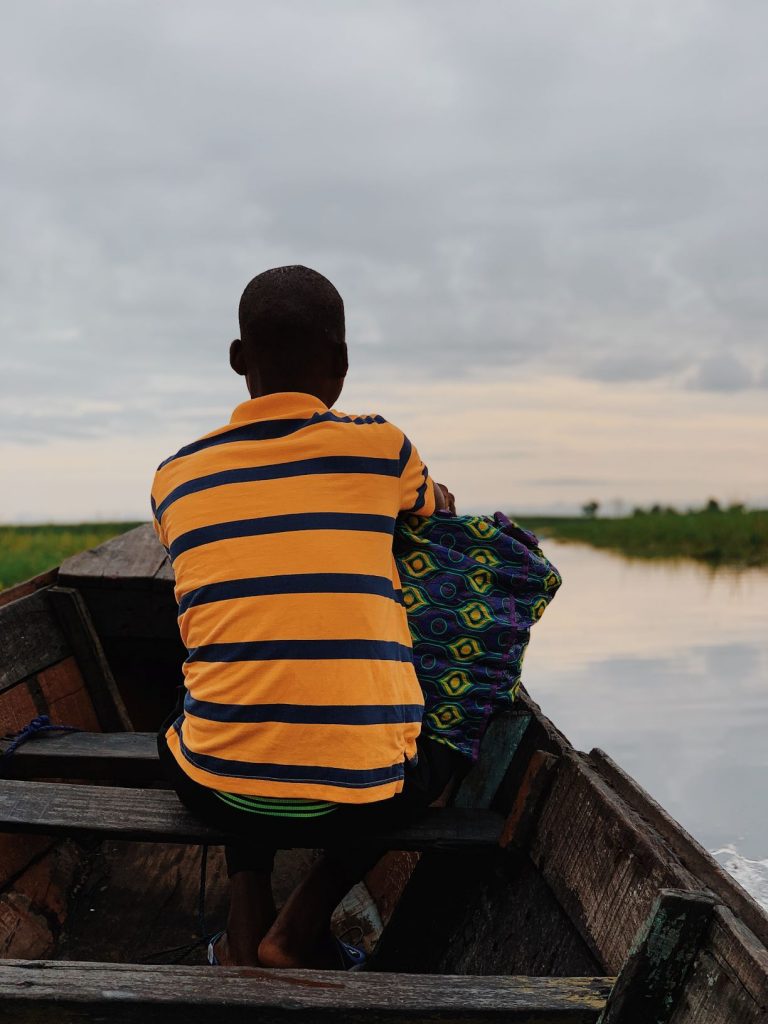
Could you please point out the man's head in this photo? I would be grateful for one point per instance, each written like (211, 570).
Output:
(292, 335)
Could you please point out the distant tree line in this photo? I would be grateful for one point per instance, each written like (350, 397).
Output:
(591, 508)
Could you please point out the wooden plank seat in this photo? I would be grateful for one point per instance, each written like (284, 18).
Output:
(70, 992)
(156, 815)
(131, 756)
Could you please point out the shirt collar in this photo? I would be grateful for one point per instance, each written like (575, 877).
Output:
(280, 405)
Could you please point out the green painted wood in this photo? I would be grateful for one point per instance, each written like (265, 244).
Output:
(500, 743)
(648, 989)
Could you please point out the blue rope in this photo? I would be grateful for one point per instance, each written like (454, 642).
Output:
(36, 727)
(42, 724)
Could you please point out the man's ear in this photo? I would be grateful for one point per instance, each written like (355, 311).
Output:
(237, 357)
(340, 360)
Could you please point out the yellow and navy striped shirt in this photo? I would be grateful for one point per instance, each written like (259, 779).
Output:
(300, 679)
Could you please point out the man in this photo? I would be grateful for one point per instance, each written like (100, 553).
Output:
(302, 712)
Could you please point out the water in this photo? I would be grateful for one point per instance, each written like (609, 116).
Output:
(665, 666)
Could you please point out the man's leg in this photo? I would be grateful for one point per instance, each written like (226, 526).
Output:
(301, 934)
(251, 904)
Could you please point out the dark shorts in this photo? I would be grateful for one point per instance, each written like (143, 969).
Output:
(262, 835)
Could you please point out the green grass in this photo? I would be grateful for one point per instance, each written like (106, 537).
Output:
(28, 550)
(731, 537)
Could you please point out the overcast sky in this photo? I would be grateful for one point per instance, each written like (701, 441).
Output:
(548, 222)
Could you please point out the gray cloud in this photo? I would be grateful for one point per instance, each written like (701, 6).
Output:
(722, 372)
(565, 185)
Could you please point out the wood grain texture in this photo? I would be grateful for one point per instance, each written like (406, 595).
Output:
(688, 851)
(61, 693)
(18, 705)
(45, 579)
(131, 756)
(136, 900)
(481, 913)
(534, 789)
(541, 734)
(500, 742)
(158, 816)
(76, 623)
(165, 573)
(30, 638)
(728, 983)
(649, 987)
(37, 991)
(133, 558)
(604, 864)
(484, 913)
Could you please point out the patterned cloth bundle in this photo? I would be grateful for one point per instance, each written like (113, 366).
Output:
(473, 586)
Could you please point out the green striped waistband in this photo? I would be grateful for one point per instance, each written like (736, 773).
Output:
(279, 807)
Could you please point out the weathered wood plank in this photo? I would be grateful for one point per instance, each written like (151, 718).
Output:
(158, 816)
(541, 734)
(688, 851)
(489, 909)
(500, 742)
(165, 573)
(604, 864)
(477, 789)
(729, 980)
(94, 668)
(131, 756)
(651, 982)
(534, 789)
(481, 913)
(74, 992)
(30, 638)
(26, 587)
(134, 558)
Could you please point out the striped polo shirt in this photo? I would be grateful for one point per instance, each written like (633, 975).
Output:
(300, 679)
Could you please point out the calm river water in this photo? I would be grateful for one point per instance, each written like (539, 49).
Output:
(665, 666)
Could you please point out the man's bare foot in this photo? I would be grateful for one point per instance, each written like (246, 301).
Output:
(279, 949)
(301, 935)
(251, 915)
(229, 957)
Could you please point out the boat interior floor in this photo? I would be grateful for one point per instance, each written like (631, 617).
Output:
(139, 902)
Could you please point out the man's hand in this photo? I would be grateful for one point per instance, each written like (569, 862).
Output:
(444, 500)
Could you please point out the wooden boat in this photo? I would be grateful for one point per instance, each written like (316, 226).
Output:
(551, 888)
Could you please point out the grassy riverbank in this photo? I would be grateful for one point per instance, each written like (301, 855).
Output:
(730, 537)
(28, 550)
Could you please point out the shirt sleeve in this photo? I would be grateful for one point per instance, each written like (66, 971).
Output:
(156, 523)
(417, 489)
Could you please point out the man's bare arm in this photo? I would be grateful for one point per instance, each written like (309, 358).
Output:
(444, 500)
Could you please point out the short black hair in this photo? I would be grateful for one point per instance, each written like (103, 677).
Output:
(291, 308)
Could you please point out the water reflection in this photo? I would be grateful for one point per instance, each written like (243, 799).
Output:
(665, 666)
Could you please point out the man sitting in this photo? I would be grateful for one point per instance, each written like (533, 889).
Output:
(302, 712)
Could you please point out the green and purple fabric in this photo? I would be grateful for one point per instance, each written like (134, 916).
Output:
(473, 586)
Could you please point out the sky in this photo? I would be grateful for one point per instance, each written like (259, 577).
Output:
(547, 220)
